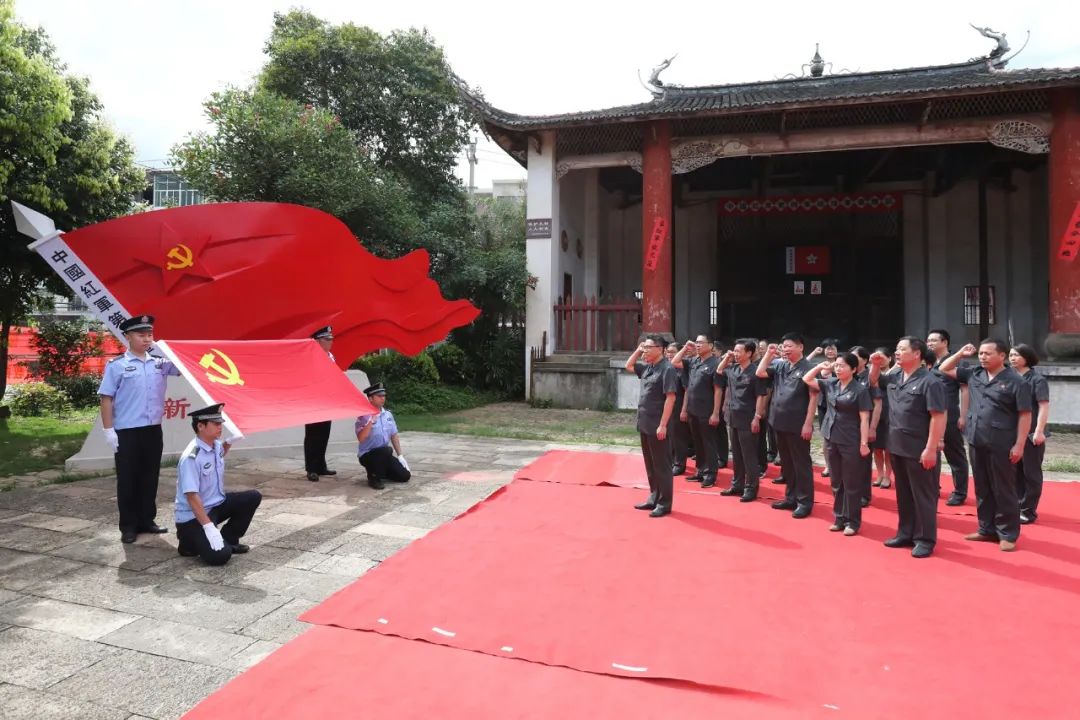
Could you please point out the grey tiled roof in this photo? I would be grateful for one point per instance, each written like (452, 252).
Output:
(936, 81)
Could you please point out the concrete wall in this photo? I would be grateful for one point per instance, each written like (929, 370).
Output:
(696, 255)
(572, 221)
(587, 390)
(620, 269)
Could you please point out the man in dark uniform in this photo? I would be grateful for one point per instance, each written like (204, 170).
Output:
(996, 428)
(681, 442)
(744, 391)
(201, 501)
(917, 408)
(955, 454)
(792, 416)
(132, 396)
(317, 435)
(701, 406)
(656, 404)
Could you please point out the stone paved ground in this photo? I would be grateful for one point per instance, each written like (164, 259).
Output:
(91, 628)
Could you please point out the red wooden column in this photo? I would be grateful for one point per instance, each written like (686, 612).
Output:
(656, 203)
(1064, 180)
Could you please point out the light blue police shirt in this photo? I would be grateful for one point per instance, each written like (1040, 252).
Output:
(201, 469)
(385, 428)
(137, 388)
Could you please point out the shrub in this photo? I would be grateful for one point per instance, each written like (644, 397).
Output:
(452, 364)
(35, 399)
(82, 390)
(394, 369)
(412, 398)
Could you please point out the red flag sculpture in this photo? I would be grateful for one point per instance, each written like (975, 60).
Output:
(267, 384)
(251, 271)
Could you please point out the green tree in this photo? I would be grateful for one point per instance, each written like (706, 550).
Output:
(62, 347)
(56, 154)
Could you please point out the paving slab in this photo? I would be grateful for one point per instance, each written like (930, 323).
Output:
(293, 583)
(178, 641)
(59, 523)
(391, 530)
(7, 596)
(412, 519)
(108, 550)
(148, 685)
(38, 659)
(281, 625)
(33, 540)
(372, 547)
(64, 618)
(345, 566)
(99, 586)
(19, 703)
(19, 570)
(218, 607)
(254, 653)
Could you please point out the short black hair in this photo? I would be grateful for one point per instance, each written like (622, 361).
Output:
(943, 333)
(887, 352)
(917, 344)
(793, 337)
(1028, 353)
(834, 342)
(658, 339)
(861, 352)
(749, 344)
(929, 357)
(850, 359)
(196, 422)
(1001, 345)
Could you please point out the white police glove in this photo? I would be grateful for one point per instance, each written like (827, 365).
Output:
(214, 536)
(112, 439)
(404, 464)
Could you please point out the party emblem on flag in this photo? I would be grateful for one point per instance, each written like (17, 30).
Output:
(181, 253)
(227, 374)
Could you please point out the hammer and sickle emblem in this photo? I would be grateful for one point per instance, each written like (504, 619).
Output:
(227, 375)
(182, 255)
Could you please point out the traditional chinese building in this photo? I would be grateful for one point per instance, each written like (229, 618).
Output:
(862, 206)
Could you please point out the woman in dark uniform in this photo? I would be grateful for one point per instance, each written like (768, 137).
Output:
(847, 430)
(1029, 474)
(862, 375)
(879, 427)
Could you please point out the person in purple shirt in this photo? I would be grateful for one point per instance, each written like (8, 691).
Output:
(380, 448)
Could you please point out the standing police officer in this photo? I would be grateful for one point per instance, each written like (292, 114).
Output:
(792, 416)
(955, 454)
(743, 389)
(201, 501)
(132, 403)
(656, 403)
(917, 407)
(996, 428)
(701, 405)
(317, 435)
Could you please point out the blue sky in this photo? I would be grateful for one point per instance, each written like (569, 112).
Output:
(154, 63)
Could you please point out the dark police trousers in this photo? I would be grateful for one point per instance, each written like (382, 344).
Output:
(138, 464)
(722, 449)
(744, 455)
(850, 473)
(1029, 478)
(996, 501)
(763, 444)
(381, 463)
(704, 446)
(681, 439)
(955, 455)
(316, 438)
(657, 455)
(916, 499)
(798, 468)
(236, 512)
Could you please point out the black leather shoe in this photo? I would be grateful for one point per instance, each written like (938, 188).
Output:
(748, 496)
(660, 511)
(152, 529)
(1026, 519)
(779, 480)
(678, 470)
(733, 490)
(327, 472)
(801, 512)
(922, 551)
(185, 552)
(696, 477)
(708, 482)
(375, 483)
(784, 505)
(955, 500)
(721, 466)
(127, 537)
(313, 477)
(865, 502)
(240, 549)
(645, 506)
(899, 542)
(825, 473)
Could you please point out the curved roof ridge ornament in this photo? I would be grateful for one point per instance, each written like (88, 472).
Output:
(817, 66)
(655, 85)
(997, 59)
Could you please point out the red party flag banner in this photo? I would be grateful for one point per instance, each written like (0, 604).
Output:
(267, 384)
(1070, 241)
(656, 243)
(807, 260)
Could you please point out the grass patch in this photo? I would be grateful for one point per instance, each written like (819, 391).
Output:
(1061, 464)
(33, 444)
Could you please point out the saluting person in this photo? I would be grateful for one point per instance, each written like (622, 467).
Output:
(746, 401)
(1029, 472)
(937, 341)
(132, 393)
(701, 406)
(656, 404)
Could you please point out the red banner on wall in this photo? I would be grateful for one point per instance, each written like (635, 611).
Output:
(1070, 242)
(807, 260)
(877, 202)
(656, 243)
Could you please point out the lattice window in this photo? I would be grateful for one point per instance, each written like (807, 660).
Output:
(727, 124)
(988, 105)
(848, 115)
(618, 137)
(971, 305)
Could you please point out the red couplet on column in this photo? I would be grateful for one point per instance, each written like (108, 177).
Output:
(656, 243)
(1070, 241)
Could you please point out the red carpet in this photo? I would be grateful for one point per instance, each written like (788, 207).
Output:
(741, 597)
(1060, 501)
(334, 673)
